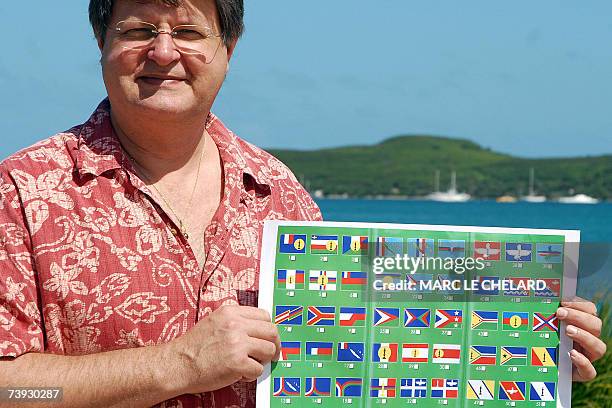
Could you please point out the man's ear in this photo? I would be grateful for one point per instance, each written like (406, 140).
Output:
(100, 42)
(230, 49)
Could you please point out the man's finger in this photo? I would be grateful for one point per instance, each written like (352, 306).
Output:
(592, 347)
(583, 320)
(584, 370)
(254, 313)
(251, 370)
(261, 351)
(581, 304)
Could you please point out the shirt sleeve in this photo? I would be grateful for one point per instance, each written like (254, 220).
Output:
(20, 317)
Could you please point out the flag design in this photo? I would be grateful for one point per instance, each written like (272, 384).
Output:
(317, 387)
(443, 282)
(322, 280)
(481, 389)
(446, 354)
(518, 252)
(413, 388)
(414, 281)
(444, 388)
(354, 245)
(386, 316)
(352, 280)
(287, 387)
(485, 319)
(349, 387)
(288, 315)
(488, 286)
(544, 356)
(350, 351)
(451, 248)
(449, 319)
(518, 292)
(483, 355)
(415, 317)
(420, 247)
(389, 246)
(487, 250)
(415, 352)
(319, 350)
(545, 322)
(513, 356)
(290, 350)
(382, 387)
(321, 316)
(324, 244)
(389, 278)
(512, 390)
(290, 279)
(384, 352)
(552, 290)
(292, 244)
(542, 391)
(517, 321)
(549, 253)
(352, 316)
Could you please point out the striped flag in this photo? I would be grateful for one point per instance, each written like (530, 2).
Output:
(287, 386)
(290, 279)
(512, 390)
(515, 321)
(446, 354)
(352, 280)
(292, 244)
(324, 244)
(415, 352)
(354, 245)
(513, 356)
(485, 319)
(444, 388)
(544, 356)
(319, 350)
(483, 355)
(352, 316)
(322, 280)
(290, 350)
(349, 387)
(288, 315)
(382, 387)
(384, 352)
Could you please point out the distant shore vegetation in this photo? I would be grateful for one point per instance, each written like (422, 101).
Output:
(405, 167)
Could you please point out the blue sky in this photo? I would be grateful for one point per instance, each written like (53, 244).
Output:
(529, 78)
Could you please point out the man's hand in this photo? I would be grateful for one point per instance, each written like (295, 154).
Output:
(584, 327)
(232, 344)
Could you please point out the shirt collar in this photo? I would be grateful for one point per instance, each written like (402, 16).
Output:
(98, 149)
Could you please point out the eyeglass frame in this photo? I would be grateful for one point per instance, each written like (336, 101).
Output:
(156, 32)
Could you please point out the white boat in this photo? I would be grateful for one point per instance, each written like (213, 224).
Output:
(578, 199)
(532, 197)
(450, 196)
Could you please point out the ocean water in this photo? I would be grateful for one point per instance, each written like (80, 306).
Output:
(593, 221)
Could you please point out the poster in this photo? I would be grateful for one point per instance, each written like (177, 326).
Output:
(416, 315)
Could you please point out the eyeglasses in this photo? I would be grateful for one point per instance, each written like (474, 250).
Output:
(188, 39)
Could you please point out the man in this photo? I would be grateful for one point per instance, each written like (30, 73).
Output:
(129, 245)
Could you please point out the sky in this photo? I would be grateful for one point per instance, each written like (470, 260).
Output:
(527, 78)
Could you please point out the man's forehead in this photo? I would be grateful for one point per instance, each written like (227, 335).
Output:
(176, 8)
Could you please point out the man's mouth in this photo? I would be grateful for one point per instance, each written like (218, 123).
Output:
(158, 80)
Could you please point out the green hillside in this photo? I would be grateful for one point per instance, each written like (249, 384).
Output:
(406, 165)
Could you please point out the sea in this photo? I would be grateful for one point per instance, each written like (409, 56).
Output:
(593, 221)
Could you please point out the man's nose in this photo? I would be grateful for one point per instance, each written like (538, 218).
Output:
(164, 51)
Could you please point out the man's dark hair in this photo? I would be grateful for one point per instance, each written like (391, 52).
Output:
(231, 17)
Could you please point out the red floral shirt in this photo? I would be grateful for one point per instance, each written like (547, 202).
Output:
(89, 262)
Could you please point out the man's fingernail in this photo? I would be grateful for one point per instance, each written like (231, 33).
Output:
(573, 354)
(571, 330)
(562, 313)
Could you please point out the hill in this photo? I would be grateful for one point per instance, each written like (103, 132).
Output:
(405, 166)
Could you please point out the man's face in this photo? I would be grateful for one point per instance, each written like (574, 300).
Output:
(159, 79)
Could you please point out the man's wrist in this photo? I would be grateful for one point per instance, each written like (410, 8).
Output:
(171, 373)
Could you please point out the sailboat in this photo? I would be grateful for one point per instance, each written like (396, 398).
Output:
(449, 196)
(578, 199)
(532, 197)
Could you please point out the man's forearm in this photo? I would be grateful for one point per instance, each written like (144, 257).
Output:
(137, 377)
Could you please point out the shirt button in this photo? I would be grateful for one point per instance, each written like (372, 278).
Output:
(173, 231)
